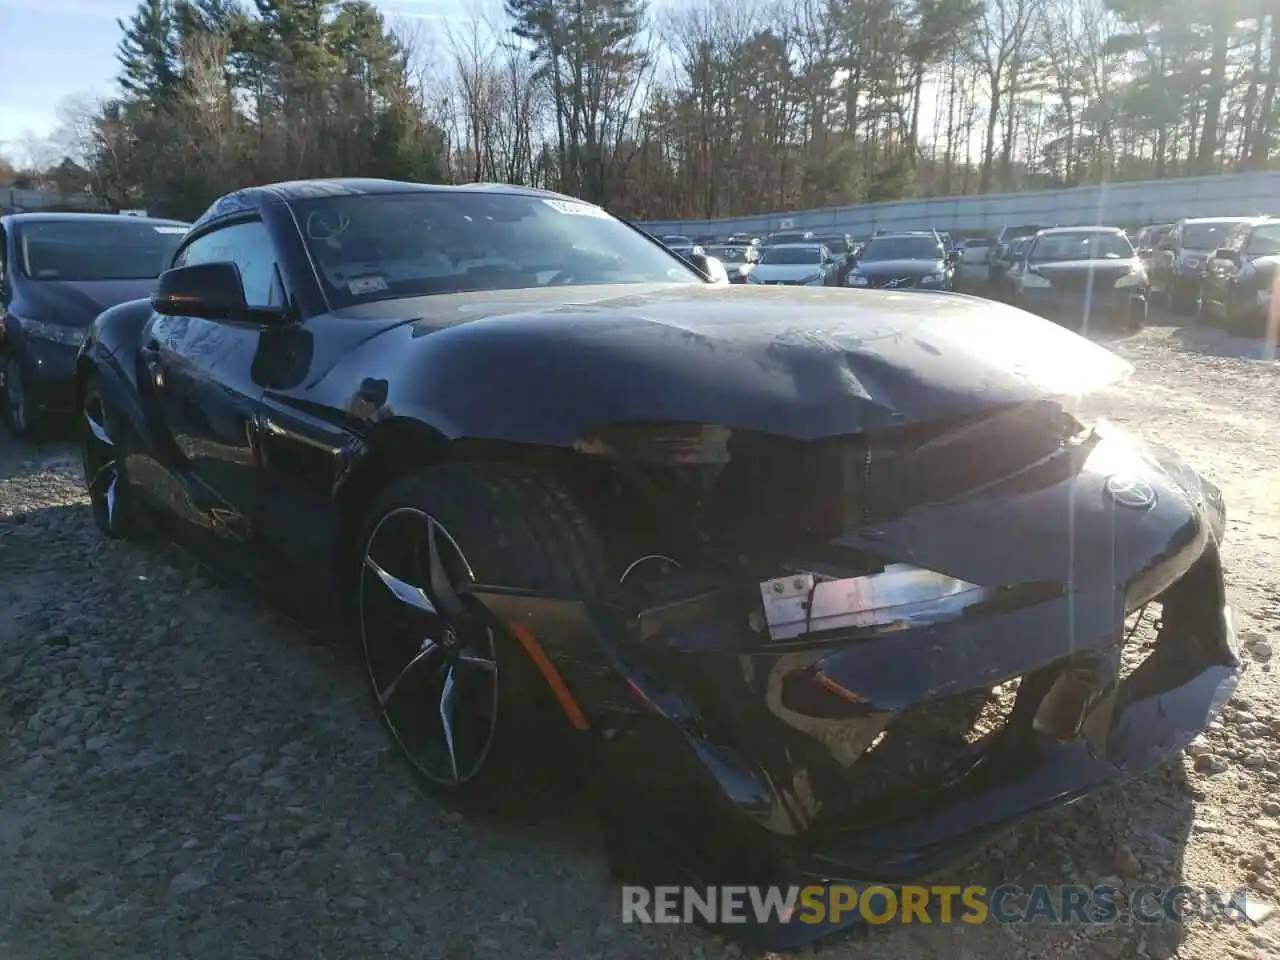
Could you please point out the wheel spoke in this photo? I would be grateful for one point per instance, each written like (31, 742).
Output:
(428, 648)
(441, 588)
(404, 592)
(110, 498)
(446, 720)
(99, 432)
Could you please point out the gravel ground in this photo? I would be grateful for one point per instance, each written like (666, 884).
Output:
(183, 774)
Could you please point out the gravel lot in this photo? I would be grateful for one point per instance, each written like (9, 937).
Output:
(183, 774)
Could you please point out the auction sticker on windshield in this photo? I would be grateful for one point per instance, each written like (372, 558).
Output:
(576, 209)
(362, 285)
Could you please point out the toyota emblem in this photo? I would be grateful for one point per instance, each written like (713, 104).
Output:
(1131, 492)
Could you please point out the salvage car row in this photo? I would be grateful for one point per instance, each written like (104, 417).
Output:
(783, 574)
(1216, 270)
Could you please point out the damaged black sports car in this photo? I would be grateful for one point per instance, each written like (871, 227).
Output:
(818, 584)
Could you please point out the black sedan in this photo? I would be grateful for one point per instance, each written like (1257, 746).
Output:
(1085, 277)
(811, 586)
(57, 272)
(908, 261)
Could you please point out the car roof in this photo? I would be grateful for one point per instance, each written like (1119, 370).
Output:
(807, 245)
(251, 198)
(71, 217)
(1219, 219)
(906, 233)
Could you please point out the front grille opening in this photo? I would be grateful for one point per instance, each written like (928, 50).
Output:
(1138, 641)
(927, 746)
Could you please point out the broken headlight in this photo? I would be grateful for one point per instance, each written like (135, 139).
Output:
(898, 598)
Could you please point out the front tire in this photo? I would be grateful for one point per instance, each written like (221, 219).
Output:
(102, 436)
(456, 693)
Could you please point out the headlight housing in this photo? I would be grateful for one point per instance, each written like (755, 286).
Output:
(932, 279)
(900, 597)
(54, 332)
(857, 280)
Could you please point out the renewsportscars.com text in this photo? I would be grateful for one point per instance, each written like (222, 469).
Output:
(1008, 903)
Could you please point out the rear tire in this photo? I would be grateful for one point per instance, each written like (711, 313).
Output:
(460, 699)
(103, 437)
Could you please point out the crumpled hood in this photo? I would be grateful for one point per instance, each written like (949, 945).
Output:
(803, 362)
(899, 268)
(74, 303)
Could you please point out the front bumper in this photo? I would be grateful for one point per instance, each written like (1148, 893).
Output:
(855, 758)
(1071, 306)
(48, 370)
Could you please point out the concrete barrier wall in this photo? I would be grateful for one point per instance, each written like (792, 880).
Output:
(1151, 201)
(13, 200)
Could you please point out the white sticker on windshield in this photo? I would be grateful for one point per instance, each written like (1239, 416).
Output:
(576, 209)
(362, 285)
(173, 231)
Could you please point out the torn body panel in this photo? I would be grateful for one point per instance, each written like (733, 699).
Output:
(935, 677)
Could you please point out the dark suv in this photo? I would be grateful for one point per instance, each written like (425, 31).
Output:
(1178, 265)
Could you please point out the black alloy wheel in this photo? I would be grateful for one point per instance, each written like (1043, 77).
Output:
(433, 664)
(460, 698)
(102, 456)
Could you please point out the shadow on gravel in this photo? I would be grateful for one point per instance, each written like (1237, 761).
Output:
(1213, 342)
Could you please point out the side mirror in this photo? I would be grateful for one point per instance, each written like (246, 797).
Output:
(709, 267)
(210, 291)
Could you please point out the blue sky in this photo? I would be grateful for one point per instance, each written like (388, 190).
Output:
(55, 49)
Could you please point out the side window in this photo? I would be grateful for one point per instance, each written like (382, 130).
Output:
(248, 246)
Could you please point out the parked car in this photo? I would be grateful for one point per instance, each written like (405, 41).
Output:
(1178, 264)
(1237, 291)
(796, 264)
(842, 247)
(803, 584)
(1012, 261)
(903, 262)
(682, 245)
(739, 259)
(1090, 276)
(1000, 262)
(57, 272)
(972, 272)
(1148, 238)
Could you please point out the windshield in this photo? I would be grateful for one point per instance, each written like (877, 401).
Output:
(1264, 241)
(902, 248)
(677, 241)
(791, 255)
(382, 246)
(735, 253)
(96, 249)
(1206, 236)
(1082, 245)
(976, 253)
